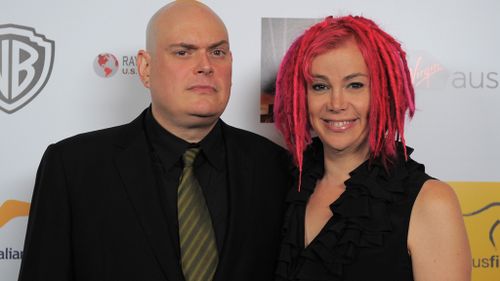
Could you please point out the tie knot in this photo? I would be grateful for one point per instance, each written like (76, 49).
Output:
(189, 156)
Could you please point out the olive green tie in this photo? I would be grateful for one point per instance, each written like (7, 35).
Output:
(197, 239)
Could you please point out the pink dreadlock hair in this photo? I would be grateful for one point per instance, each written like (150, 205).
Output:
(392, 93)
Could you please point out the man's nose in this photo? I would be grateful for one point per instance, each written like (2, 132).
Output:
(204, 65)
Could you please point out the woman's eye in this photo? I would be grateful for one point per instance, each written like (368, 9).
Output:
(319, 87)
(356, 85)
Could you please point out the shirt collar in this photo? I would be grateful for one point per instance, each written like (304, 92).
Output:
(212, 145)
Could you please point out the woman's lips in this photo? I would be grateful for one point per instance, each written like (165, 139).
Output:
(340, 125)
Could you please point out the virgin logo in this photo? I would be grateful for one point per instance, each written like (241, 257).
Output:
(421, 75)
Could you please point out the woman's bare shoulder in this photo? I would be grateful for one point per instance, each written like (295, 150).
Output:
(437, 238)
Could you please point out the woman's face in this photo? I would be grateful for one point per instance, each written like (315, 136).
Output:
(339, 98)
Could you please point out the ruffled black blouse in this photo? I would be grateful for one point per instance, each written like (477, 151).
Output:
(366, 238)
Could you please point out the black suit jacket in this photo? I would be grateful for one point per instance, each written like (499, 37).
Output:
(96, 213)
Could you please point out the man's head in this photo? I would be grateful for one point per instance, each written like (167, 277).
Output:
(187, 67)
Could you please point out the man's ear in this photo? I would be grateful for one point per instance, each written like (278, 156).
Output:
(143, 66)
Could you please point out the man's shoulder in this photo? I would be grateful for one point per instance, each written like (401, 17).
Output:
(247, 138)
(253, 146)
(101, 138)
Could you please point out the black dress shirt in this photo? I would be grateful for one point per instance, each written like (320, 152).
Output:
(209, 168)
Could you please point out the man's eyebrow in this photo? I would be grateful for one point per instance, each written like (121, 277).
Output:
(218, 44)
(184, 46)
(188, 46)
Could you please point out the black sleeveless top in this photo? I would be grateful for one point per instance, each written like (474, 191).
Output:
(366, 238)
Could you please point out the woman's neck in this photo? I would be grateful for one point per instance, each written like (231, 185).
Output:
(338, 164)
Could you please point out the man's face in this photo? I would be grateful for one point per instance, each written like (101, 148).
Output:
(189, 71)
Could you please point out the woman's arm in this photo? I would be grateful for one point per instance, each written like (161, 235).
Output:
(437, 239)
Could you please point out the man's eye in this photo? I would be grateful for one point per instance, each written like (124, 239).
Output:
(181, 53)
(218, 53)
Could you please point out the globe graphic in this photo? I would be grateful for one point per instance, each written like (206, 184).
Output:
(105, 65)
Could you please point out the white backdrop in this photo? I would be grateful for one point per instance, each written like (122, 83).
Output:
(455, 130)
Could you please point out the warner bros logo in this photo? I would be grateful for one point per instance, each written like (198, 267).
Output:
(26, 60)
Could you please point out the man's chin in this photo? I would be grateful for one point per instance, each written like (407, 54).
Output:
(204, 119)
(205, 115)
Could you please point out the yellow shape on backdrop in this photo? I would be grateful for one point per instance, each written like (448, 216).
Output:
(480, 203)
(11, 209)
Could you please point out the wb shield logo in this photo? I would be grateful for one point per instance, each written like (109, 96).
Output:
(26, 60)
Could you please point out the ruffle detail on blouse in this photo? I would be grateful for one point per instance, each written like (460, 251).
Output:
(360, 217)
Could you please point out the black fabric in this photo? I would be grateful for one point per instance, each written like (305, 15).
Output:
(96, 213)
(210, 171)
(366, 238)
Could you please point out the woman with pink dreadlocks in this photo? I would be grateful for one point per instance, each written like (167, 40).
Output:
(362, 209)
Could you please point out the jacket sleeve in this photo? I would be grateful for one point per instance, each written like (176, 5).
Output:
(47, 251)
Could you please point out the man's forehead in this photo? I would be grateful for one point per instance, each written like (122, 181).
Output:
(198, 25)
(186, 22)
(188, 45)
(193, 34)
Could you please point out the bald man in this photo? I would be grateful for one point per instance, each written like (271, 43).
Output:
(105, 203)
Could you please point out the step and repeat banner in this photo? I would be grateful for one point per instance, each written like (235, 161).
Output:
(70, 66)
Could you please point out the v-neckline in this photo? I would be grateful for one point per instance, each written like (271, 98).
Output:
(323, 228)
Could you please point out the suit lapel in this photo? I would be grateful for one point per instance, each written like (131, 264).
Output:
(240, 168)
(135, 166)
